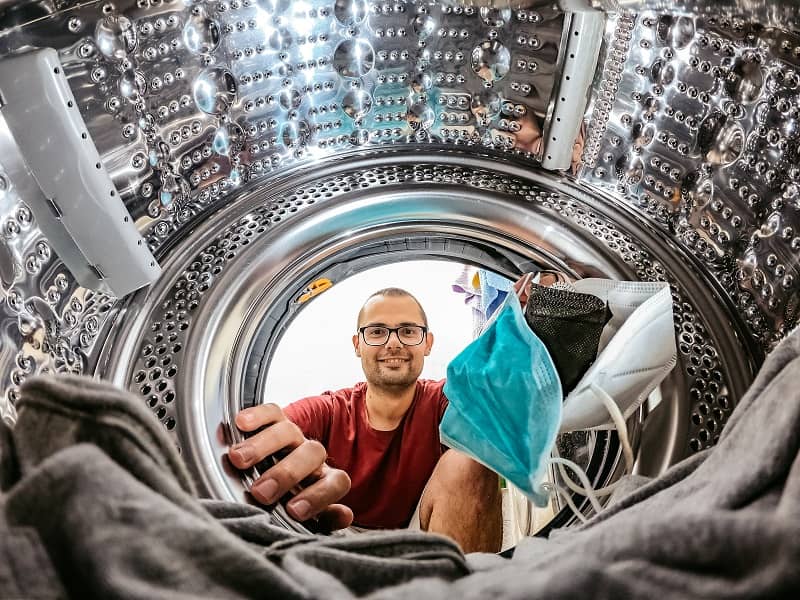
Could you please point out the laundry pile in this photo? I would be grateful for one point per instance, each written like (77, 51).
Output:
(96, 504)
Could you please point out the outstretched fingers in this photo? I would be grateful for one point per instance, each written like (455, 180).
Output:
(318, 500)
(276, 437)
(299, 462)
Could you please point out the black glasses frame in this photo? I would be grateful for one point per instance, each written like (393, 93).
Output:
(394, 330)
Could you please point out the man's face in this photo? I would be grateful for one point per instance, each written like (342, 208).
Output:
(393, 364)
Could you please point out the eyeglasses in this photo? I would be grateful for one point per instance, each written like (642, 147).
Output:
(377, 335)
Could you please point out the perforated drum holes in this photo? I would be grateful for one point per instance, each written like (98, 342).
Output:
(211, 111)
(704, 374)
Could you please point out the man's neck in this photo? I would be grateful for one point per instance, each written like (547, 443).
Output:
(386, 407)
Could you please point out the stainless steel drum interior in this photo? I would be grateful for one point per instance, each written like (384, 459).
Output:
(258, 145)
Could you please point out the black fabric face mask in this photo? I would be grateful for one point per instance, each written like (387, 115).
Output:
(569, 323)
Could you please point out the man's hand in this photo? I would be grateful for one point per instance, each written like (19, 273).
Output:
(304, 462)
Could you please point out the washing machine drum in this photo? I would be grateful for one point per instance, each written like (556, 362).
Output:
(174, 177)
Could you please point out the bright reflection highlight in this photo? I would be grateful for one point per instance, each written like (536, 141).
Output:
(302, 20)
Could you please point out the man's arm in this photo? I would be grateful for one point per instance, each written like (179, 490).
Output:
(305, 461)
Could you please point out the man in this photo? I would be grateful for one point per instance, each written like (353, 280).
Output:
(381, 442)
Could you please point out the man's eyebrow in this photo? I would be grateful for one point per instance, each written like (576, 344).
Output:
(403, 324)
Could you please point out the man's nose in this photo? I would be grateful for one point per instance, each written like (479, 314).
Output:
(394, 340)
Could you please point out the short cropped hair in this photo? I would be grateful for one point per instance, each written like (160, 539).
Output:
(393, 292)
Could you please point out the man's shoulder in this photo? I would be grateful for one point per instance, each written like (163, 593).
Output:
(328, 402)
(431, 388)
(340, 395)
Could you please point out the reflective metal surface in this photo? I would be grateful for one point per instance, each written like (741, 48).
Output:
(203, 333)
(254, 140)
(696, 126)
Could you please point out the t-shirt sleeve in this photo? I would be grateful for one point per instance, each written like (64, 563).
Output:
(313, 416)
(441, 398)
(443, 402)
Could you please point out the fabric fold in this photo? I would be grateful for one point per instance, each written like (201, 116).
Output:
(108, 506)
(78, 522)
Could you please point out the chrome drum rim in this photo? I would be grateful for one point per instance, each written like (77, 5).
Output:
(230, 277)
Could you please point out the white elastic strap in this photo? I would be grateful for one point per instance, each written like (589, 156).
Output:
(600, 492)
(627, 453)
(619, 422)
(587, 489)
(568, 499)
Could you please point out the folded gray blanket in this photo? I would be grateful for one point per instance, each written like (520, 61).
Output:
(96, 503)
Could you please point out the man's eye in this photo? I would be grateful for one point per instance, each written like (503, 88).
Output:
(376, 332)
(407, 331)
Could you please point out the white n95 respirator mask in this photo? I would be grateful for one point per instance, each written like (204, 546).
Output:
(636, 352)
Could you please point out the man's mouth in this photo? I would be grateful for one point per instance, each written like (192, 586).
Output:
(393, 361)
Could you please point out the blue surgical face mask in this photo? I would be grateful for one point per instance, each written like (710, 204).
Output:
(505, 401)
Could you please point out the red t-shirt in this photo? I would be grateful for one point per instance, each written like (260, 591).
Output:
(388, 469)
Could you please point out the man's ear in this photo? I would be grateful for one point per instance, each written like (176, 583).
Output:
(428, 343)
(356, 345)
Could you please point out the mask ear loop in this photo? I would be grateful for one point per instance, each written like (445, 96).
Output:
(584, 491)
(587, 490)
(567, 498)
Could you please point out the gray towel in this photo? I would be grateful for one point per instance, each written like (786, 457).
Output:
(97, 488)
